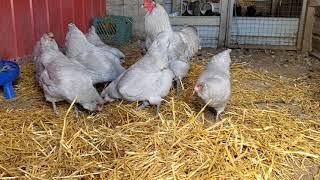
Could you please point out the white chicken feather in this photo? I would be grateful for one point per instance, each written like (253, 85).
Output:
(94, 39)
(102, 65)
(213, 85)
(62, 79)
(149, 80)
(45, 47)
(156, 21)
(186, 44)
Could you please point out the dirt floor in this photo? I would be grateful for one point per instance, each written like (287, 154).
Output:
(287, 66)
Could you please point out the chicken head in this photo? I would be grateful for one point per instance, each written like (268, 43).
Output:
(149, 5)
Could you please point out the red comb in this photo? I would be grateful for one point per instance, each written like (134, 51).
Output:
(149, 5)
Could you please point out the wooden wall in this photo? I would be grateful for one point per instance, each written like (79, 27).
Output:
(316, 33)
(22, 22)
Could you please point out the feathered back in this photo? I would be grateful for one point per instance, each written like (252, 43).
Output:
(221, 61)
(157, 55)
(190, 36)
(76, 41)
(156, 21)
(93, 37)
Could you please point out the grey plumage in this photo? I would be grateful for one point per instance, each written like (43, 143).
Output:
(149, 80)
(186, 44)
(94, 39)
(62, 79)
(37, 52)
(213, 85)
(103, 66)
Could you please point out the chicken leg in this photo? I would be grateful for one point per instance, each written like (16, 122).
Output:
(158, 108)
(178, 86)
(76, 111)
(55, 108)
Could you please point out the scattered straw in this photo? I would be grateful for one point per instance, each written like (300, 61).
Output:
(270, 129)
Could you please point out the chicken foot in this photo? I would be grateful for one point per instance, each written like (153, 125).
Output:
(144, 105)
(219, 110)
(147, 103)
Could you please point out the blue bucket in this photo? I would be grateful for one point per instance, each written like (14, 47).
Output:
(9, 71)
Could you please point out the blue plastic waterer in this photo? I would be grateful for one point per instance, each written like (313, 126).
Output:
(9, 71)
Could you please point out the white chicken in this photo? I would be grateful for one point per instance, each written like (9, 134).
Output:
(94, 39)
(149, 80)
(62, 79)
(103, 66)
(213, 85)
(156, 21)
(186, 44)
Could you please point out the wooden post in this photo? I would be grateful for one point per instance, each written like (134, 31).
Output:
(229, 22)
(307, 37)
(301, 24)
(275, 4)
(223, 23)
(314, 3)
(176, 6)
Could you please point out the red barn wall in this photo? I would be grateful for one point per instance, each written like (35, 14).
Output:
(22, 22)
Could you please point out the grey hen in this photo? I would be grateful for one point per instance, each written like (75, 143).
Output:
(213, 85)
(149, 80)
(37, 52)
(186, 44)
(102, 65)
(94, 39)
(62, 79)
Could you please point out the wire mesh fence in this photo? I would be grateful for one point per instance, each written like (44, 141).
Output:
(253, 22)
(265, 22)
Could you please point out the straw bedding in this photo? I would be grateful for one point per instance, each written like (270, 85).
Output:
(269, 130)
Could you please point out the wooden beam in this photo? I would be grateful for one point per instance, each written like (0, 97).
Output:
(315, 3)
(292, 48)
(316, 43)
(307, 37)
(301, 24)
(223, 23)
(195, 20)
(229, 22)
(275, 5)
(176, 7)
(316, 27)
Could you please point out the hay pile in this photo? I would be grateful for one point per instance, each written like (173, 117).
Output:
(269, 130)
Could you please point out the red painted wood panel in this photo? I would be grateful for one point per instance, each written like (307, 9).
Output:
(40, 18)
(55, 18)
(89, 12)
(22, 22)
(7, 43)
(102, 7)
(68, 17)
(80, 14)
